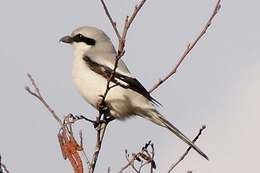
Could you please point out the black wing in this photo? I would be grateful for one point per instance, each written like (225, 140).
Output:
(129, 82)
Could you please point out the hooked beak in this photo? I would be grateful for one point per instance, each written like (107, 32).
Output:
(66, 39)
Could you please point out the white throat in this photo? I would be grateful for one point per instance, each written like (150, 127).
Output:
(80, 49)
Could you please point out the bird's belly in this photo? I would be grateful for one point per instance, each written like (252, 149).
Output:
(91, 86)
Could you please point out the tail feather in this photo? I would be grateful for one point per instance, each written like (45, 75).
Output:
(160, 120)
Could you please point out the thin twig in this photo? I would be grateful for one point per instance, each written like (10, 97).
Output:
(3, 166)
(83, 149)
(65, 126)
(100, 135)
(145, 157)
(189, 48)
(109, 169)
(1, 171)
(187, 151)
(128, 22)
(36, 93)
(113, 23)
(130, 162)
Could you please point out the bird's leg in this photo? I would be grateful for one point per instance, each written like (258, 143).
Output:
(105, 115)
(102, 106)
(107, 118)
(104, 111)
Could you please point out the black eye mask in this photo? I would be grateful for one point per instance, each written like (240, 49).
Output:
(81, 38)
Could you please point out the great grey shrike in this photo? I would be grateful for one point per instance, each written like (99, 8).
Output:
(94, 59)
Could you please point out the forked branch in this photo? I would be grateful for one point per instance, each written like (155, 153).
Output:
(143, 157)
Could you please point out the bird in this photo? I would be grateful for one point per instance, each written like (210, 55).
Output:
(93, 63)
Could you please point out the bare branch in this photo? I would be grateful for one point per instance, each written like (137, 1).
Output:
(135, 12)
(130, 162)
(189, 47)
(5, 168)
(83, 149)
(187, 151)
(144, 157)
(36, 93)
(2, 166)
(68, 144)
(108, 170)
(100, 135)
(113, 23)
(128, 22)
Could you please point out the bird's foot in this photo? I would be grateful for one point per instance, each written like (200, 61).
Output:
(101, 105)
(107, 118)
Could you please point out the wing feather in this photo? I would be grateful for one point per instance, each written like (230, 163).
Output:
(119, 79)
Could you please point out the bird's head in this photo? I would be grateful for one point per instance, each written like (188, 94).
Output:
(88, 39)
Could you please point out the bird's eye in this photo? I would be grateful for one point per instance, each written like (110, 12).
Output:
(78, 38)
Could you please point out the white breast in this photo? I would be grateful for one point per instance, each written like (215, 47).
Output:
(122, 102)
(89, 84)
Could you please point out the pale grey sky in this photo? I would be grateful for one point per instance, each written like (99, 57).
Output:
(218, 85)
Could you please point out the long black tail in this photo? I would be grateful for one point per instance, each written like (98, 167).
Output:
(160, 120)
